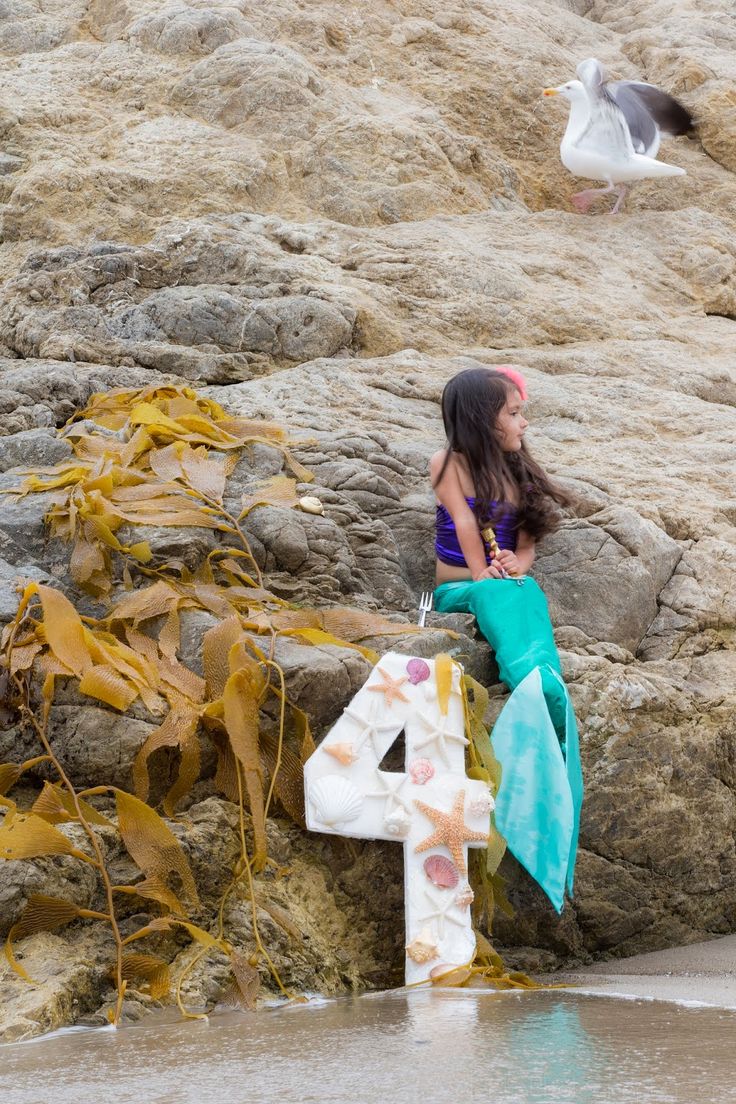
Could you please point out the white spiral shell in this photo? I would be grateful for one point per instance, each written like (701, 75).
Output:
(335, 800)
(397, 823)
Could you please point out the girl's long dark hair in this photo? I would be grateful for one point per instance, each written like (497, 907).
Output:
(471, 403)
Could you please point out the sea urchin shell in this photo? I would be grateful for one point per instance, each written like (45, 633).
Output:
(441, 871)
(482, 805)
(421, 770)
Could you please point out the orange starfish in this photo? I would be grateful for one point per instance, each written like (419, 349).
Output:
(390, 687)
(451, 831)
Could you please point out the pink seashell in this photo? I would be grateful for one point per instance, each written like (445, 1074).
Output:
(441, 871)
(418, 671)
(420, 771)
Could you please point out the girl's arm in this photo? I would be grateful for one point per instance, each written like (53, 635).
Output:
(450, 494)
(519, 562)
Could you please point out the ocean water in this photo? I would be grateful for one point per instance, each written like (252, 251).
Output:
(423, 1047)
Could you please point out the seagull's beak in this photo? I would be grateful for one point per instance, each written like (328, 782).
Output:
(551, 92)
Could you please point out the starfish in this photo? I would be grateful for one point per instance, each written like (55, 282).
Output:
(440, 913)
(372, 729)
(451, 831)
(438, 734)
(391, 784)
(390, 687)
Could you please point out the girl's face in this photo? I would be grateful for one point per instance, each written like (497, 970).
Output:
(511, 423)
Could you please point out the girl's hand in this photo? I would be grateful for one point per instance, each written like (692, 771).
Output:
(490, 572)
(508, 561)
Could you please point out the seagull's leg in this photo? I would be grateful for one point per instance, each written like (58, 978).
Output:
(581, 201)
(622, 192)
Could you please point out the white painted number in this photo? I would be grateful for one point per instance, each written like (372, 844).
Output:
(433, 808)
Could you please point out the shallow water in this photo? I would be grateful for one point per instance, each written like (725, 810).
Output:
(459, 1047)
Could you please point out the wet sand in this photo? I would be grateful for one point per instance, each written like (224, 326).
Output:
(437, 1047)
(580, 1045)
(699, 974)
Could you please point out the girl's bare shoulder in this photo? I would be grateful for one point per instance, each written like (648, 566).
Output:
(448, 468)
(436, 462)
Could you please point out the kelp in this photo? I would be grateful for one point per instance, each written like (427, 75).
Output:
(166, 879)
(166, 463)
(488, 884)
(486, 971)
(162, 457)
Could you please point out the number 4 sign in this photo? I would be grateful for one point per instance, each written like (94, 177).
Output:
(433, 808)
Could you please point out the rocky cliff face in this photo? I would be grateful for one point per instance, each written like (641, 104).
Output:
(317, 212)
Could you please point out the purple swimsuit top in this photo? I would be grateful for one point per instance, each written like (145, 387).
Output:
(447, 546)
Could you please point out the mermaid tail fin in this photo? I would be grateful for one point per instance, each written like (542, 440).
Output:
(539, 800)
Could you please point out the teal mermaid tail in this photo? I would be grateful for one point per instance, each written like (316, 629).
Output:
(535, 737)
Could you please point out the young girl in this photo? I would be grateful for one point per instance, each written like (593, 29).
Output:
(494, 503)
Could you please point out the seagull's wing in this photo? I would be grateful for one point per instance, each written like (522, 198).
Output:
(636, 98)
(640, 121)
(607, 132)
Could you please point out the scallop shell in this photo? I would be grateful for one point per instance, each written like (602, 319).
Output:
(344, 753)
(441, 871)
(421, 770)
(335, 800)
(481, 806)
(464, 896)
(397, 823)
(418, 671)
(422, 948)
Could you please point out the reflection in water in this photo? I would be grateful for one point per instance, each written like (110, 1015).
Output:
(437, 1022)
(435, 1047)
(566, 1056)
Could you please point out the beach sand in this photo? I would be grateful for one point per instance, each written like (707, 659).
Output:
(698, 974)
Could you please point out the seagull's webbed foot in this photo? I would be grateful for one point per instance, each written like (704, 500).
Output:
(581, 201)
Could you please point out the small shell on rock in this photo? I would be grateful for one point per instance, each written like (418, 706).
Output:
(344, 753)
(421, 770)
(335, 800)
(418, 671)
(441, 871)
(423, 948)
(397, 823)
(482, 805)
(311, 505)
(464, 896)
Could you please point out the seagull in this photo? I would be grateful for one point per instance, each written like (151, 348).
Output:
(614, 130)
